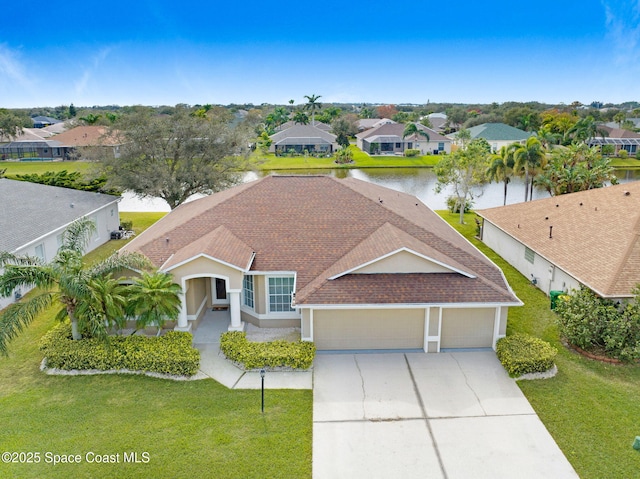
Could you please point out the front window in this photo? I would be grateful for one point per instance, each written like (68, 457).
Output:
(441, 146)
(280, 289)
(247, 291)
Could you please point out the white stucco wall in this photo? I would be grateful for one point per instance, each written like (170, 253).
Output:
(107, 220)
(548, 276)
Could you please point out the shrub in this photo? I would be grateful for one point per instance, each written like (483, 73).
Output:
(168, 354)
(454, 207)
(595, 324)
(280, 353)
(521, 354)
(344, 156)
(623, 154)
(411, 152)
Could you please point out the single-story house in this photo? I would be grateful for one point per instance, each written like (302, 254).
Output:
(352, 264)
(42, 121)
(34, 216)
(437, 120)
(497, 134)
(62, 146)
(301, 138)
(368, 123)
(619, 138)
(387, 139)
(290, 123)
(588, 238)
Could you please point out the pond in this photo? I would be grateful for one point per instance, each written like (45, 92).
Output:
(419, 182)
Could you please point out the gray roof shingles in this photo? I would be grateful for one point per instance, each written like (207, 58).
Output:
(30, 210)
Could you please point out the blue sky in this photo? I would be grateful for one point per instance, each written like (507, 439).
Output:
(160, 52)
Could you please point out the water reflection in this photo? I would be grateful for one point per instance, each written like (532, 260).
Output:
(419, 182)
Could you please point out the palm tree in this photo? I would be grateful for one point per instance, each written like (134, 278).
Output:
(313, 105)
(501, 167)
(65, 281)
(154, 299)
(414, 130)
(103, 307)
(586, 129)
(528, 158)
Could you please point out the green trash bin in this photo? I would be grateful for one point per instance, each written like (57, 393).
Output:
(554, 295)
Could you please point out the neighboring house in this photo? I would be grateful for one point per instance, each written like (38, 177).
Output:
(353, 264)
(89, 136)
(42, 121)
(387, 140)
(614, 124)
(289, 124)
(34, 217)
(437, 120)
(620, 139)
(62, 146)
(497, 134)
(589, 238)
(368, 123)
(303, 138)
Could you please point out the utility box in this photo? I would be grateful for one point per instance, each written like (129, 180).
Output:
(554, 295)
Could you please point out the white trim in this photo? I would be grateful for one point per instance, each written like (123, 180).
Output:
(400, 250)
(253, 256)
(161, 268)
(407, 305)
(439, 329)
(310, 336)
(203, 255)
(193, 317)
(496, 327)
(280, 314)
(425, 337)
(64, 227)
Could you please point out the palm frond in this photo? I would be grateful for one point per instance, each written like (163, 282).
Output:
(17, 316)
(77, 235)
(120, 261)
(16, 276)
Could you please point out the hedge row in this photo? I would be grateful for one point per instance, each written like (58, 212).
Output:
(279, 353)
(168, 354)
(522, 354)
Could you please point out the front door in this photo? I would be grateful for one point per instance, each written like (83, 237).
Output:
(220, 291)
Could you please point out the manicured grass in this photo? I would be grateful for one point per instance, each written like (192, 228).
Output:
(39, 167)
(590, 408)
(361, 160)
(189, 429)
(627, 163)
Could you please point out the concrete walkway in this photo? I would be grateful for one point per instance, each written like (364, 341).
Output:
(415, 415)
(214, 365)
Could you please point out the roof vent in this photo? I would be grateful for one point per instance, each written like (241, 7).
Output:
(627, 193)
(71, 205)
(550, 229)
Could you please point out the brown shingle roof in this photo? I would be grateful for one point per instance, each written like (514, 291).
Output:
(595, 236)
(319, 226)
(86, 136)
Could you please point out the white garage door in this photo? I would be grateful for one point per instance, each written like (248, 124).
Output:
(368, 329)
(467, 328)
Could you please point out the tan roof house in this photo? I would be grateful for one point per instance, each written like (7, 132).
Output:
(590, 238)
(354, 265)
(619, 138)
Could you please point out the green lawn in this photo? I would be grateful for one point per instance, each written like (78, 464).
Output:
(39, 167)
(625, 164)
(361, 160)
(590, 408)
(189, 429)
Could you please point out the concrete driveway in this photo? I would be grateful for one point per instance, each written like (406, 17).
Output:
(448, 415)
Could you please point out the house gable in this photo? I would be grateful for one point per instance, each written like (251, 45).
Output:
(403, 260)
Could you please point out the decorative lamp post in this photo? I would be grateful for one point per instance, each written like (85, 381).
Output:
(262, 373)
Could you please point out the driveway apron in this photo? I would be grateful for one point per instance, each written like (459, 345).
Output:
(414, 415)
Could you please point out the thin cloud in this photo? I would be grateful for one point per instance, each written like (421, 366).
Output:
(622, 21)
(81, 85)
(12, 72)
